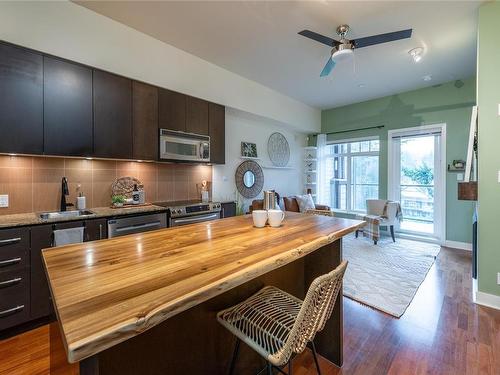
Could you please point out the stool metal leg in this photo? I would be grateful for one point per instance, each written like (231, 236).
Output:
(269, 368)
(315, 357)
(235, 356)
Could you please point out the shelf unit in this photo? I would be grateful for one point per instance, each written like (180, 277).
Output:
(311, 170)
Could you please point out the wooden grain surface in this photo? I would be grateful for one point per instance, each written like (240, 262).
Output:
(108, 291)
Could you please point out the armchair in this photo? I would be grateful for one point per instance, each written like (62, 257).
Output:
(386, 212)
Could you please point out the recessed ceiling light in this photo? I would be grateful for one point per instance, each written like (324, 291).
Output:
(428, 77)
(361, 85)
(416, 54)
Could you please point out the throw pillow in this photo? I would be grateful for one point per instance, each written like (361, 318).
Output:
(305, 202)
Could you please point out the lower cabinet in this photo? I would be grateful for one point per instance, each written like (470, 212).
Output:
(41, 238)
(14, 277)
(228, 209)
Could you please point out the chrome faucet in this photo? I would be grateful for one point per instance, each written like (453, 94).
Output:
(64, 193)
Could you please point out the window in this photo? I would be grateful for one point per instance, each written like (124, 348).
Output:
(351, 174)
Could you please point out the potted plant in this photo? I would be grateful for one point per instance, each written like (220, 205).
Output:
(118, 200)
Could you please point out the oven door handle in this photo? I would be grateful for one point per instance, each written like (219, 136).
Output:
(138, 226)
(195, 219)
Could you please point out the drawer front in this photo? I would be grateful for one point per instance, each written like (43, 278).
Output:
(14, 248)
(14, 297)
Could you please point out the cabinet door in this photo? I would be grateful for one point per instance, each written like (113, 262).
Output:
(217, 132)
(196, 115)
(96, 229)
(67, 108)
(145, 121)
(228, 209)
(41, 304)
(172, 110)
(21, 100)
(112, 116)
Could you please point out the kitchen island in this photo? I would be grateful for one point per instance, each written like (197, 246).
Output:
(146, 303)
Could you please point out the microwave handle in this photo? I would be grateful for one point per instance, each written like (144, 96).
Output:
(202, 149)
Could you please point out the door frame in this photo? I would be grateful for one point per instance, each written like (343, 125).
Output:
(439, 195)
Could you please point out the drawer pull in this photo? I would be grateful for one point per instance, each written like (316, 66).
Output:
(9, 262)
(10, 241)
(11, 311)
(5, 284)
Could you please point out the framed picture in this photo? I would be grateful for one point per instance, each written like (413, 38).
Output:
(248, 149)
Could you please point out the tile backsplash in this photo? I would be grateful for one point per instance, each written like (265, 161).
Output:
(34, 183)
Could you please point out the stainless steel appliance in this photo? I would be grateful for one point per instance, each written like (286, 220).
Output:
(190, 212)
(270, 198)
(136, 224)
(182, 146)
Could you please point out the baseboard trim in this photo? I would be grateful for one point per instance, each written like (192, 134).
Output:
(458, 245)
(486, 299)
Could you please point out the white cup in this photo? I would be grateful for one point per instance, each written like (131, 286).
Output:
(275, 217)
(259, 218)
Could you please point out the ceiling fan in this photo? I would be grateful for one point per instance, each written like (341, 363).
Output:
(345, 47)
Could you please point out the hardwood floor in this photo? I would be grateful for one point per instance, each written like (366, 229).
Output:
(442, 332)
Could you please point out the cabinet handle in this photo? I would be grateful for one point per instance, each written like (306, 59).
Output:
(11, 311)
(9, 262)
(5, 284)
(10, 241)
(100, 231)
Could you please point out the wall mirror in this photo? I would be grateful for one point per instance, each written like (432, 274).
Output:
(249, 179)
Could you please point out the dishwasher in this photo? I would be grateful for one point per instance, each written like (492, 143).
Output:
(136, 224)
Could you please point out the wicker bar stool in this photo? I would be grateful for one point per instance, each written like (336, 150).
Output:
(278, 325)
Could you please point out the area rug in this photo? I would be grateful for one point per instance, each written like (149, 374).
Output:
(386, 276)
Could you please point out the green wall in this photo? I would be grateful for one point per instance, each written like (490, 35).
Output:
(443, 103)
(488, 95)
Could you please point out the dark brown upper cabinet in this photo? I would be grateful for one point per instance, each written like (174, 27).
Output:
(145, 121)
(172, 110)
(67, 108)
(21, 100)
(217, 132)
(112, 116)
(196, 116)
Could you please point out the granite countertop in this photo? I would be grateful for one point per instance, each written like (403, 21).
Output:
(33, 218)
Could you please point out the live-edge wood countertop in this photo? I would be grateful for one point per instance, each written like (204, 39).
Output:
(107, 291)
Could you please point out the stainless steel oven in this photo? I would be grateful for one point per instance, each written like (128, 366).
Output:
(190, 212)
(182, 146)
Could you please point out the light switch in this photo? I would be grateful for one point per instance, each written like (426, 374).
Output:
(498, 176)
(4, 200)
(460, 176)
(498, 109)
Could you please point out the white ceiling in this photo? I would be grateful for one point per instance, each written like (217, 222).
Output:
(258, 40)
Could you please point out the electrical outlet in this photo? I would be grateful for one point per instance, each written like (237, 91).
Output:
(498, 278)
(4, 200)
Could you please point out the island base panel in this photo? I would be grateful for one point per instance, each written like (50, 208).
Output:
(193, 342)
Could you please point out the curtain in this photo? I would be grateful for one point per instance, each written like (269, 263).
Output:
(322, 193)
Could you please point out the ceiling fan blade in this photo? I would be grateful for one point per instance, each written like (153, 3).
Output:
(330, 64)
(318, 37)
(381, 38)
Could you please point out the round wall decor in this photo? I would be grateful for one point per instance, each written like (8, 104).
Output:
(249, 179)
(278, 150)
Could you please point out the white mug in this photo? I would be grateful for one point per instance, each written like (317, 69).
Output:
(275, 217)
(259, 218)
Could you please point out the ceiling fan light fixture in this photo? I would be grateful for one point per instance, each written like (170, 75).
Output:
(342, 52)
(416, 54)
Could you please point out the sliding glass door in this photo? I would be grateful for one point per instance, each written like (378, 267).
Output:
(416, 179)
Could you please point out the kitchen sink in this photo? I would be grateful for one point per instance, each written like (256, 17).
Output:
(65, 214)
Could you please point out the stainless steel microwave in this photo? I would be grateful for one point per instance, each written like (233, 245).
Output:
(182, 146)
